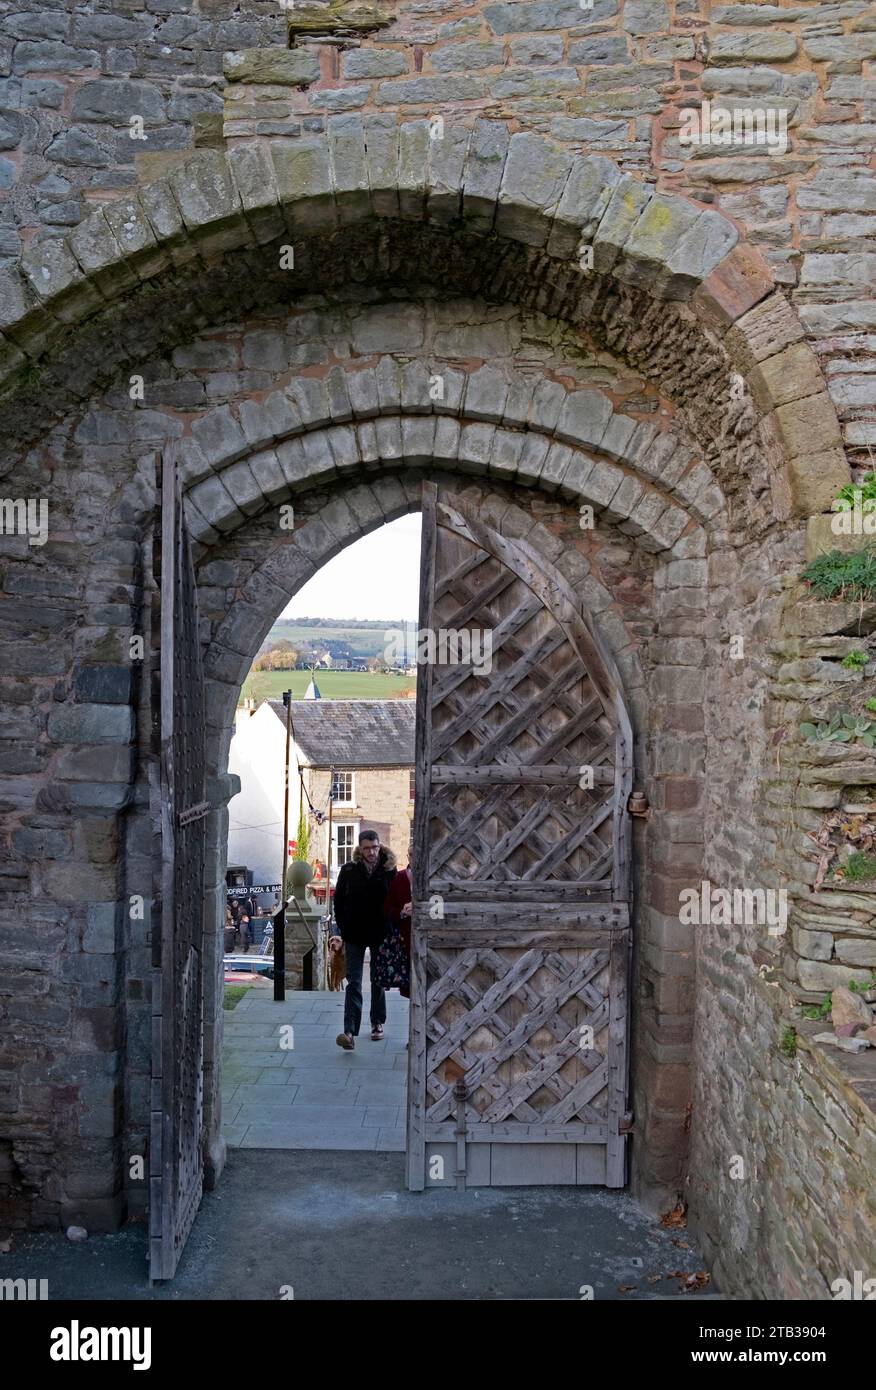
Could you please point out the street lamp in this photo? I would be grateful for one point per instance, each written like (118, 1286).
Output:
(280, 917)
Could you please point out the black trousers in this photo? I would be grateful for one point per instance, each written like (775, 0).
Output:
(353, 998)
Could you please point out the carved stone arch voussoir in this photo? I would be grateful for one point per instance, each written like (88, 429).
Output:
(482, 180)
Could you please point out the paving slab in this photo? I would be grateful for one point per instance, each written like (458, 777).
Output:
(330, 1089)
(392, 1141)
(333, 1116)
(282, 1097)
(261, 1136)
(380, 1115)
(313, 1094)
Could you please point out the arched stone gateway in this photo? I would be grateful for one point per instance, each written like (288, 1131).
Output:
(438, 321)
(506, 216)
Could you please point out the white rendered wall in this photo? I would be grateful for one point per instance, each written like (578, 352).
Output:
(255, 829)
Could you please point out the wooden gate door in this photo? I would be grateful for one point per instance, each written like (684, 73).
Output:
(176, 1137)
(521, 936)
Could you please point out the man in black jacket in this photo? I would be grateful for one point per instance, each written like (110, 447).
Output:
(360, 895)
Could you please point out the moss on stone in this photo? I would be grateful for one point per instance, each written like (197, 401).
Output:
(337, 17)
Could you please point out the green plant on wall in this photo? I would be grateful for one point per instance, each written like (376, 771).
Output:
(825, 1008)
(835, 575)
(31, 374)
(819, 1011)
(865, 491)
(859, 867)
(841, 728)
(788, 1043)
(855, 661)
(302, 847)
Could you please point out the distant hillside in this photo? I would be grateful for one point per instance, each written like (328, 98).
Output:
(340, 637)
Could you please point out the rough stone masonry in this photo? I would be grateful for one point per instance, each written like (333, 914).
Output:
(704, 378)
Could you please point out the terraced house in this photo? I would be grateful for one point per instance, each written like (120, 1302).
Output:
(271, 276)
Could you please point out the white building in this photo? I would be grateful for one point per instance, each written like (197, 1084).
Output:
(255, 815)
(365, 748)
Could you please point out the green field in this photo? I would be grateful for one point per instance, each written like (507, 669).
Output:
(333, 685)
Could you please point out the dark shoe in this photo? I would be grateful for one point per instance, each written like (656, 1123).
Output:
(377, 1032)
(346, 1041)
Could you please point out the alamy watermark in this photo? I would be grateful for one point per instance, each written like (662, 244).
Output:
(855, 515)
(25, 516)
(734, 907)
(442, 646)
(78, 1343)
(23, 1290)
(723, 126)
(857, 1289)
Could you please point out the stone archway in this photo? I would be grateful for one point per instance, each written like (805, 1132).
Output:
(741, 416)
(522, 192)
(514, 452)
(352, 509)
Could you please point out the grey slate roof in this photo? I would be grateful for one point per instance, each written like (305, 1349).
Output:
(352, 733)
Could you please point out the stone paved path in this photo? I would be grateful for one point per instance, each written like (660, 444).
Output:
(312, 1095)
(341, 1226)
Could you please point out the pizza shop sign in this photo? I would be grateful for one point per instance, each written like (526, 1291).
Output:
(248, 892)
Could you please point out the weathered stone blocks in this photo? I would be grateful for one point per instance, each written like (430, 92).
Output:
(252, 173)
(346, 143)
(369, 62)
(296, 67)
(626, 205)
(55, 276)
(533, 180)
(482, 177)
(208, 201)
(304, 183)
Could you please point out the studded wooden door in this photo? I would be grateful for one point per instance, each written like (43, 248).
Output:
(179, 808)
(521, 936)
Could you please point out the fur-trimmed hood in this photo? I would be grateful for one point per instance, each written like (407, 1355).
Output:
(385, 858)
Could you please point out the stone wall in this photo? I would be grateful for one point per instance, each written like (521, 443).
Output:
(383, 803)
(613, 79)
(704, 385)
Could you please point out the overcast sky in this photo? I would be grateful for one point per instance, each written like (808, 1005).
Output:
(377, 577)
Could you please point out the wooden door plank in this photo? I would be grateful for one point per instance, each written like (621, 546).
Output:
(416, 1096)
(617, 1062)
(540, 774)
(532, 1133)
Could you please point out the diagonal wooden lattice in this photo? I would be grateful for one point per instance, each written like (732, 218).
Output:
(536, 708)
(521, 846)
(509, 1023)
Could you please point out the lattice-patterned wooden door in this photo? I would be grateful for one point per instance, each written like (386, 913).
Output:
(521, 937)
(179, 808)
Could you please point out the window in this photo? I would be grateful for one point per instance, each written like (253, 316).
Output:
(412, 785)
(342, 789)
(345, 843)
